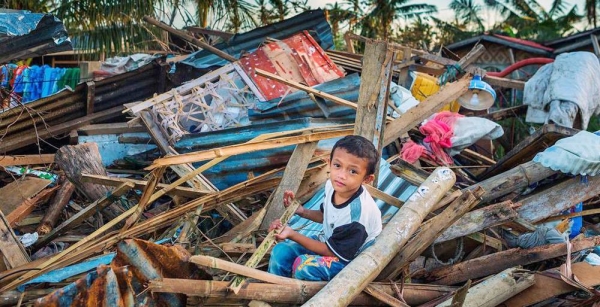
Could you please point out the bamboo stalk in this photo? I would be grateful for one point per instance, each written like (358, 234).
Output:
(344, 287)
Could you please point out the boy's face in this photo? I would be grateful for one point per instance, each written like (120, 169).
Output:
(348, 172)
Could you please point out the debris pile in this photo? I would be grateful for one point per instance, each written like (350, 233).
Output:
(172, 206)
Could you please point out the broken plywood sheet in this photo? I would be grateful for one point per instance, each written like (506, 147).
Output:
(546, 287)
(16, 192)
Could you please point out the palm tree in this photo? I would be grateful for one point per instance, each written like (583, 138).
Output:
(529, 20)
(379, 20)
(469, 12)
(336, 15)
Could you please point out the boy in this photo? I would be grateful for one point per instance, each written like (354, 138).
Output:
(351, 219)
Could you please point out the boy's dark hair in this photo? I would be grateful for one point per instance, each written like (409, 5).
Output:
(361, 147)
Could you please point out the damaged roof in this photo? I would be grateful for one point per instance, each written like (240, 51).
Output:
(24, 35)
(312, 21)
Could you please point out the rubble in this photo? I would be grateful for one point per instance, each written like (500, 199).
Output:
(172, 205)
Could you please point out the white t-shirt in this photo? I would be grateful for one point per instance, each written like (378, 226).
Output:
(351, 225)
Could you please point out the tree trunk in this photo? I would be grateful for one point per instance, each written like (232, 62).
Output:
(85, 158)
(349, 283)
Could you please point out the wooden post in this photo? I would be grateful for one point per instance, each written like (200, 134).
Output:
(90, 97)
(85, 158)
(373, 94)
(497, 262)
(497, 289)
(429, 231)
(292, 177)
(344, 287)
(60, 200)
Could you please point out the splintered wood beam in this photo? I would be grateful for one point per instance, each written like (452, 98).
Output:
(87, 212)
(26, 160)
(505, 83)
(433, 103)
(10, 247)
(291, 179)
(307, 89)
(248, 147)
(59, 201)
(384, 297)
(141, 185)
(238, 281)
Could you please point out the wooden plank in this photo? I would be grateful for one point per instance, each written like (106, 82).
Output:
(292, 177)
(141, 185)
(383, 196)
(238, 281)
(487, 240)
(26, 160)
(112, 128)
(374, 94)
(505, 83)
(28, 205)
(15, 193)
(433, 103)
(10, 247)
(87, 212)
(248, 147)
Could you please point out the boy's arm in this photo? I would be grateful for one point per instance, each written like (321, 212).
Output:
(315, 246)
(313, 215)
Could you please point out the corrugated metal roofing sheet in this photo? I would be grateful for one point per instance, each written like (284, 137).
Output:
(313, 21)
(123, 282)
(24, 34)
(299, 104)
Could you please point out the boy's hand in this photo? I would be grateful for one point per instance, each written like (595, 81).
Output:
(276, 224)
(285, 232)
(288, 198)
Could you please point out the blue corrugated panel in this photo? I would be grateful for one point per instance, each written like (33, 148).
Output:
(388, 182)
(235, 169)
(299, 104)
(312, 21)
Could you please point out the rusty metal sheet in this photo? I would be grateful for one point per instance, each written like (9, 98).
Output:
(123, 283)
(298, 58)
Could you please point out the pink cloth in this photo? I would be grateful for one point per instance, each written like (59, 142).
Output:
(438, 133)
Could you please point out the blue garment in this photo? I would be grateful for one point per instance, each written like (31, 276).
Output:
(47, 83)
(290, 259)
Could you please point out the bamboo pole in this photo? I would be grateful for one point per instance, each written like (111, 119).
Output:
(497, 289)
(291, 294)
(344, 287)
